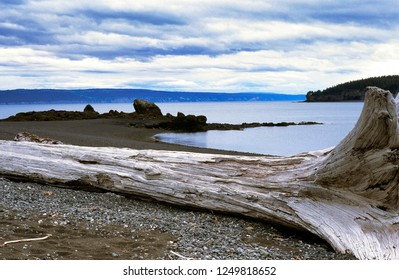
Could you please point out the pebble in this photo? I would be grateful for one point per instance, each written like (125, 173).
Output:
(198, 234)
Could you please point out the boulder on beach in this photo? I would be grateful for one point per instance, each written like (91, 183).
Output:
(143, 107)
(89, 109)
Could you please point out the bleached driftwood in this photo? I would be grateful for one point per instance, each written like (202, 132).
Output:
(25, 240)
(347, 196)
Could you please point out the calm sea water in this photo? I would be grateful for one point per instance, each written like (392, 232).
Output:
(337, 118)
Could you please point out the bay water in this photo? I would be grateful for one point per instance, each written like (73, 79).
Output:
(337, 118)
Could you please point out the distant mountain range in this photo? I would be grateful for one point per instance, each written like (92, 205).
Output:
(85, 96)
(354, 90)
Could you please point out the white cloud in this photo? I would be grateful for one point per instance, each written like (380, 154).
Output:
(293, 71)
(292, 46)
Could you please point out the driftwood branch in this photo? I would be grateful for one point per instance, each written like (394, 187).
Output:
(25, 240)
(347, 196)
(180, 256)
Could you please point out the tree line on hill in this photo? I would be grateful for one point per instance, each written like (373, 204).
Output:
(354, 90)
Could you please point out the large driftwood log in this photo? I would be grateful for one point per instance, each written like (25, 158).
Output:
(348, 195)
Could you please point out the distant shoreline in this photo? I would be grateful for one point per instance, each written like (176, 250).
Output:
(88, 96)
(162, 101)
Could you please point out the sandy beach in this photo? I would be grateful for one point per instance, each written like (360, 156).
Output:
(97, 133)
(86, 225)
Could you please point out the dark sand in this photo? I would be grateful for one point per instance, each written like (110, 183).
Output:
(97, 133)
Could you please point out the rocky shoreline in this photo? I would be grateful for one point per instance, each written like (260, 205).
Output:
(147, 115)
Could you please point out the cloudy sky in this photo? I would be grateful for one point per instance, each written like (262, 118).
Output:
(286, 46)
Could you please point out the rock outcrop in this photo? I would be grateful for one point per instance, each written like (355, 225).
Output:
(149, 109)
(187, 123)
(56, 115)
(149, 115)
(89, 109)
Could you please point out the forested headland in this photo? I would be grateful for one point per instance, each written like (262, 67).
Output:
(354, 90)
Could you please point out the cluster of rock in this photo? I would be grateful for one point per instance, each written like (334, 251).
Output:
(146, 114)
(149, 115)
(56, 115)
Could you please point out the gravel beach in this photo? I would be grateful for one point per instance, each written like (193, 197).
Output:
(88, 225)
(94, 225)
